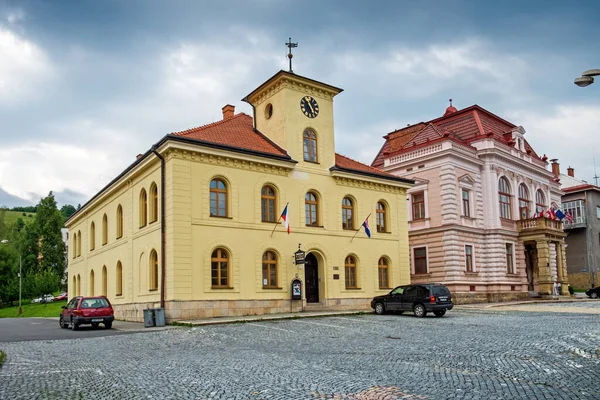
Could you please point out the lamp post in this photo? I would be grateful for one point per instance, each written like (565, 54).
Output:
(4, 241)
(587, 78)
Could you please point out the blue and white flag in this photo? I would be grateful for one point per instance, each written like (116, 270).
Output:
(366, 226)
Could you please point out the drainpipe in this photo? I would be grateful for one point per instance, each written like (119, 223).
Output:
(162, 227)
(253, 113)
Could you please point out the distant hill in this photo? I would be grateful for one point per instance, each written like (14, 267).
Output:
(8, 200)
(11, 216)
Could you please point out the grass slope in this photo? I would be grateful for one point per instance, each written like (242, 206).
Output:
(34, 310)
(11, 217)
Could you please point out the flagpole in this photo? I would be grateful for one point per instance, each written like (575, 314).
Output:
(361, 225)
(277, 223)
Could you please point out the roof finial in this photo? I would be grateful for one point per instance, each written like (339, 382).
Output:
(290, 46)
(451, 109)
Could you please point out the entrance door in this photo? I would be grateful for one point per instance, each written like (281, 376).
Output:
(311, 278)
(530, 260)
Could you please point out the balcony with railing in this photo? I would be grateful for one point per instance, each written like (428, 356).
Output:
(575, 211)
(541, 225)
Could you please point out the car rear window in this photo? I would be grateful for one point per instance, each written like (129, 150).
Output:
(94, 303)
(441, 291)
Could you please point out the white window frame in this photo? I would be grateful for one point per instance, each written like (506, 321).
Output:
(598, 212)
(412, 258)
(472, 258)
(409, 194)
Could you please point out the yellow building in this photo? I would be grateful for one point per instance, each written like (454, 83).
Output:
(192, 225)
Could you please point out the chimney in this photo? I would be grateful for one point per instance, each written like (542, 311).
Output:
(228, 111)
(555, 167)
(571, 172)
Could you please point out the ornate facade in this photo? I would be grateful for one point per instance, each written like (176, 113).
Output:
(474, 210)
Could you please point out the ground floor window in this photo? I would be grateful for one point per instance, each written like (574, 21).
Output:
(220, 268)
(469, 258)
(383, 272)
(350, 269)
(510, 265)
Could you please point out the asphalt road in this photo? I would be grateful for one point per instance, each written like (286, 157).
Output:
(28, 329)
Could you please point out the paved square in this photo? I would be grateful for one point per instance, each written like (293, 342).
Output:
(469, 354)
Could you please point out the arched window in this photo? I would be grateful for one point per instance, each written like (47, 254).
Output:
(104, 230)
(540, 201)
(153, 270)
(74, 245)
(104, 281)
(218, 198)
(119, 279)
(219, 268)
(143, 208)
(381, 215)
(310, 145)
(78, 286)
(523, 201)
(268, 204)
(504, 195)
(92, 236)
(311, 208)
(119, 221)
(383, 273)
(269, 269)
(347, 213)
(78, 243)
(350, 269)
(92, 283)
(73, 289)
(153, 202)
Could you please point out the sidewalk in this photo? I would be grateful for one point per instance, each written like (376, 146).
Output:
(268, 317)
(317, 314)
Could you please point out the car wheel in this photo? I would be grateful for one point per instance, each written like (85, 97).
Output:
(108, 325)
(439, 313)
(61, 322)
(379, 308)
(419, 310)
(95, 325)
(74, 326)
(594, 295)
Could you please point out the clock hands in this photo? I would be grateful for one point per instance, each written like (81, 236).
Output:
(310, 105)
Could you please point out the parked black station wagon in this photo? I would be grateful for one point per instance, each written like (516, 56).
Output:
(418, 298)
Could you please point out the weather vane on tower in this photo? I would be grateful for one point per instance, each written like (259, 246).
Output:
(290, 46)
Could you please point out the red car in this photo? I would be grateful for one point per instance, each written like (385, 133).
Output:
(62, 296)
(81, 310)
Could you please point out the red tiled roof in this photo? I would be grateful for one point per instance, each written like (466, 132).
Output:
(236, 132)
(348, 164)
(465, 126)
(578, 188)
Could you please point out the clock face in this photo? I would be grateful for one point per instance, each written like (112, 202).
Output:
(309, 106)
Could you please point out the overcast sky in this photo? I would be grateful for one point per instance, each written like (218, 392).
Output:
(87, 85)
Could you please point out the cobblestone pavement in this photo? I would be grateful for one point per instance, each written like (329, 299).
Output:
(470, 354)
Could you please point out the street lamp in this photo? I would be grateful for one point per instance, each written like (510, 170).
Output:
(586, 78)
(4, 241)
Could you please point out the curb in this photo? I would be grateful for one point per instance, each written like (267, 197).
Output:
(260, 318)
(518, 303)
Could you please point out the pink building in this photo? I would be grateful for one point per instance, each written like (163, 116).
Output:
(479, 185)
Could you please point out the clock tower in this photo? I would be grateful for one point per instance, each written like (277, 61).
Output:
(297, 114)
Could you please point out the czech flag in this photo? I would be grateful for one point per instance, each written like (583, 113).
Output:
(284, 217)
(366, 226)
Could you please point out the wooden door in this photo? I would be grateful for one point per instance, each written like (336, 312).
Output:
(311, 279)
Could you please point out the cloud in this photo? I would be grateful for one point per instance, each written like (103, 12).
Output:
(14, 17)
(423, 71)
(23, 67)
(568, 132)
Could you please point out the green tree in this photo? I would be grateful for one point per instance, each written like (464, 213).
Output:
(9, 269)
(67, 210)
(42, 282)
(41, 241)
